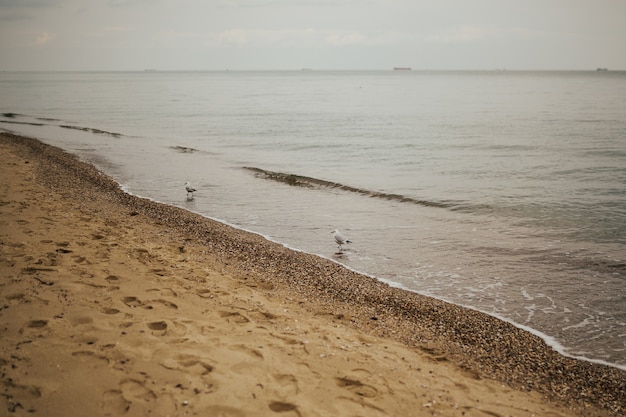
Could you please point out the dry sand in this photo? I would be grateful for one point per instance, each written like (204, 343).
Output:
(111, 305)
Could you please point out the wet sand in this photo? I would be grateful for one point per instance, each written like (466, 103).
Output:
(112, 305)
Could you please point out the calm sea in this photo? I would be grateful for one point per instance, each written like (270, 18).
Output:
(503, 191)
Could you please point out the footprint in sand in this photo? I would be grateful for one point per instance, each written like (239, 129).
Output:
(189, 363)
(158, 271)
(133, 389)
(288, 383)
(20, 298)
(357, 387)
(114, 403)
(234, 316)
(80, 259)
(16, 298)
(80, 320)
(205, 293)
(132, 302)
(18, 396)
(166, 303)
(114, 282)
(34, 325)
(113, 279)
(254, 353)
(168, 292)
(31, 270)
(161, 328)
(282, 407)
(164, 292)
(51, 259)
(91, 359)
(158, 326)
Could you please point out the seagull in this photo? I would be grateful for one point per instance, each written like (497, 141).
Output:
(340, 239)
(189, 189)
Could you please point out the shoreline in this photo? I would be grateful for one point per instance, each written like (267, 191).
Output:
(478, 346)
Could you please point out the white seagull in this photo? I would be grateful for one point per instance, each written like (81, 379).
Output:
(189, 189)
(340, 239)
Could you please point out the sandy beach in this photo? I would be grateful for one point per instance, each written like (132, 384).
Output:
(113, 305)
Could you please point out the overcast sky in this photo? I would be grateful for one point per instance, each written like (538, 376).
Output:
(318, 34)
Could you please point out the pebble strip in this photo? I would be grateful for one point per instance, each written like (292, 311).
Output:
(478, 343)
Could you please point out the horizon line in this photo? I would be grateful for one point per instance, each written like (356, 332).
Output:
(312, 69)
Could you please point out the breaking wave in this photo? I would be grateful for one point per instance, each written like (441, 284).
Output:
(309, 182)
(25, 119)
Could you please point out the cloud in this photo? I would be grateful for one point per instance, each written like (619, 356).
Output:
(125, 3)
(14, 16)
(460, 34)
(295, 3)
(348, 38)
(28, 4)
(18, 10)
(116, 29)
(43, 38)
(526, 33)
(239, 36)
(256, 37)
(300, 37)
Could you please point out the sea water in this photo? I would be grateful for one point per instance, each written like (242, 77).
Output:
(503, 191)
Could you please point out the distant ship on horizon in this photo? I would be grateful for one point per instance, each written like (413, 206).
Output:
(402, 68)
